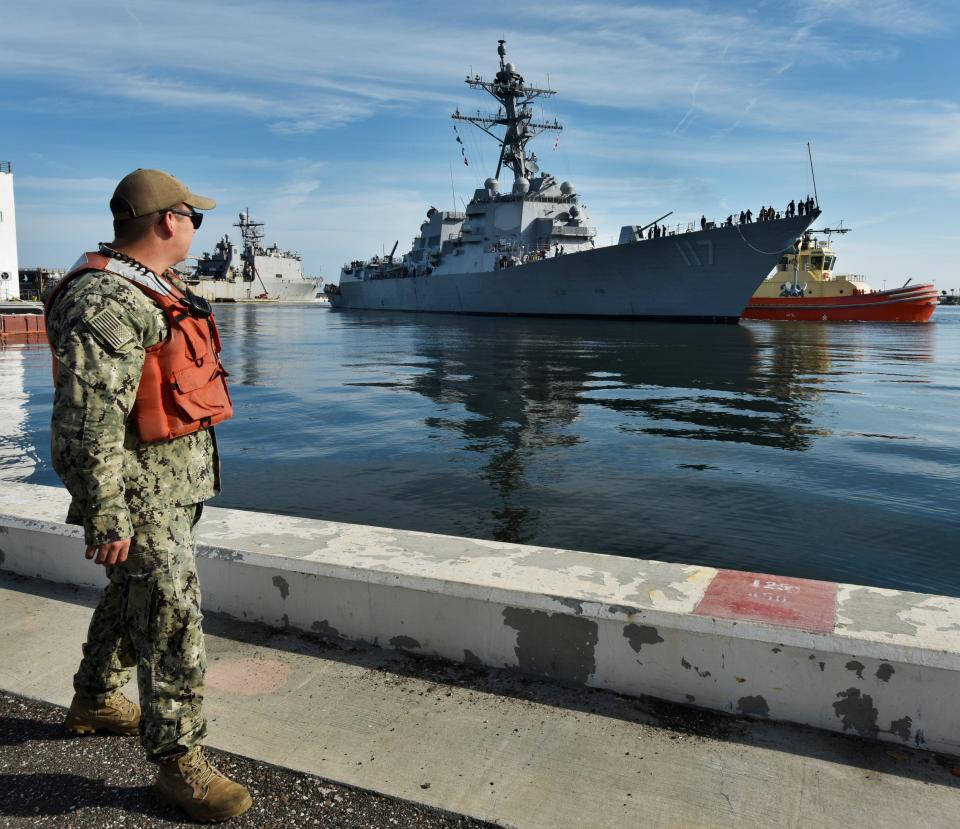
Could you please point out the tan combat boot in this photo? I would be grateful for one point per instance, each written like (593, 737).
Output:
(190, 782)
(115, 714)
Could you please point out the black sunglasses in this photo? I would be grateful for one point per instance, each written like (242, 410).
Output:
(195, 218)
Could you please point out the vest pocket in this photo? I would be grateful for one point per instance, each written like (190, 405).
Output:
(198, 390)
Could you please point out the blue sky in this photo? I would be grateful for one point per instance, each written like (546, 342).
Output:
(331, 121)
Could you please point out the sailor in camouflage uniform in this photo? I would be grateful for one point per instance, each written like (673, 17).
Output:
(138, 502)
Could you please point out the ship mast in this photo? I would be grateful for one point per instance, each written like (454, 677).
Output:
(515, 115)
(251, 231)
(252, 235)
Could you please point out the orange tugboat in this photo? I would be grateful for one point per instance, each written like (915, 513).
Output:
(804, 288)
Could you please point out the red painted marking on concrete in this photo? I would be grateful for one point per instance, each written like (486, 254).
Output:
(777, 600)
(248, 677)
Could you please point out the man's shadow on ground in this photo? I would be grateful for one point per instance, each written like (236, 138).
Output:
(17, 730)
(41, 794)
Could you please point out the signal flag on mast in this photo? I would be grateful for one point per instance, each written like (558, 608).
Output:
(463, 152)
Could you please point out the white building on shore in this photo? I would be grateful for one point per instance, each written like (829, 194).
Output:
(9, 270)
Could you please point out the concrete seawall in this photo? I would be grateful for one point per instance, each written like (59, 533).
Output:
(878, 663)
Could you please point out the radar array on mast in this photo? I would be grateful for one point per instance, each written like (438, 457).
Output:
(515, 114)
(251, 231)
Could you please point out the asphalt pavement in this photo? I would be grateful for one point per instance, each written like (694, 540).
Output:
(49, 778)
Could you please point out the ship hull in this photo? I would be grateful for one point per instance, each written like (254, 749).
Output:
(279, 290)
(909, 304)
(707, 275)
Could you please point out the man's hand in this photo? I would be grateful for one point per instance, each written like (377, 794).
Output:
(113, 553)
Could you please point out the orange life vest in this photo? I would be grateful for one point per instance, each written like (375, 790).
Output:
(183, 385)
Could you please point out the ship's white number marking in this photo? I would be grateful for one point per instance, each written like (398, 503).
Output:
(766, 584)
(771, 591)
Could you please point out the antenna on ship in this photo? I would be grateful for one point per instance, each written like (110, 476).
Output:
(453, 191)
(829, 231)
(515, 114)
(813, 175)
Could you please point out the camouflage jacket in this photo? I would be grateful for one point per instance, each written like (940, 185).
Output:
(114, 479)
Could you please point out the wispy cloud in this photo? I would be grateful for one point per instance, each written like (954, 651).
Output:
(894, 16)
(334, 66)
(693, 104)
(129, 12)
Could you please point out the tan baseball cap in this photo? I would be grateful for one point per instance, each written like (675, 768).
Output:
(148, 191)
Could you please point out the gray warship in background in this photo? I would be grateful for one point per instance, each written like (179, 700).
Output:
(532, 252)
(252, 272)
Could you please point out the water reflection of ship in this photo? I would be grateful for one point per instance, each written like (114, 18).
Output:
(521, 387)
(508, 420)
(796, 364)
(243, 338)
(18, 455)
(252, 272)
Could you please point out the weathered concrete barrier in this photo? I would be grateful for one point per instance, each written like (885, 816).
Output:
(878, 663)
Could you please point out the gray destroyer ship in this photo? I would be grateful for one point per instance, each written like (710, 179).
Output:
(251, 272)
(531, 251)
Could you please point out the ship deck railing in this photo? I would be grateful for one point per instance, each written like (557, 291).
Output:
(358, 265)
(693, 226)
(787, 273)
(502, 197)
(578, 231)
(850, 277)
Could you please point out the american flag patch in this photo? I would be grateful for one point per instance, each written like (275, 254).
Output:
(108, 330)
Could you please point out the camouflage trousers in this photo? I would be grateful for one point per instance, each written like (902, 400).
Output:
(149, 616)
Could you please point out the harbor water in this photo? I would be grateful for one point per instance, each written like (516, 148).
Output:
(821, 451)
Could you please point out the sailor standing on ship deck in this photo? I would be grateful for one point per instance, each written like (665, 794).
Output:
(137, 452)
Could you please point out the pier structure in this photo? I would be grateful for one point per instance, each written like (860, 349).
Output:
(882, 664)
(436, 655)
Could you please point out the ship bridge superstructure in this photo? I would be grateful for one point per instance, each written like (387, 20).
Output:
(812, 255)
